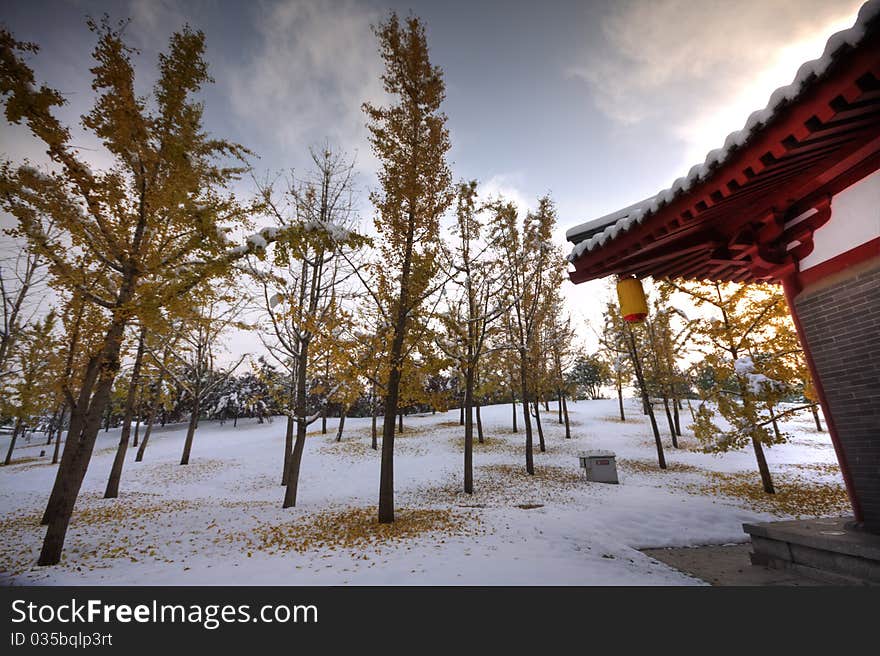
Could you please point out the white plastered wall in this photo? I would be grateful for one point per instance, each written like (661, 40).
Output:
(855, 220)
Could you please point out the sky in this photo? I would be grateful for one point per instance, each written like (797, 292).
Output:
(598, 103)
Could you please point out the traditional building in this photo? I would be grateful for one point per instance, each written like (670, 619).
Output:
(792, 198)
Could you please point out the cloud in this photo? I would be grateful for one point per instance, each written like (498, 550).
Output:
(305, 80)
(506, 186)
(699, 69)
(154, 18)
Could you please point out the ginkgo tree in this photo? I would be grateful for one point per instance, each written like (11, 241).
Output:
(161, 348)
(410, 140)
(531, 260)
(619, 334)
(470, 318)
(304, 293)
(133, 383)
(151, 221)
(22, 281)
(193, 367)
(30, 391)
(559, 344)
(739, 325)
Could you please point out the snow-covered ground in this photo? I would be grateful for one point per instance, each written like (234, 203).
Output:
(219, 520)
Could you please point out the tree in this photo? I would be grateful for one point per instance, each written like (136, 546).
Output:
(82, 322)
(742, 326)
(469, 319)
(560, 338)
(112, 490)
(615, 353)
(133, 238)
(618, 331)
(194, 368)
(31, 391)
(530, 259)
(21, 276)
(303, 294)
(369, 357)
(410, 140)
(809, 391)
(347, 393)
(658, 365)
(160, 348)
(589, 374)
(669, 331)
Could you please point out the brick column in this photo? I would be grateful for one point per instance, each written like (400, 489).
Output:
(839, 321)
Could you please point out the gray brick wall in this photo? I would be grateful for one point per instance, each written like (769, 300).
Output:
(841, 323)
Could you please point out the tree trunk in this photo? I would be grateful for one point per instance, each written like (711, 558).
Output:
(527, 420)
(513, 410)
(392, 398)
(386, 475)
(620, 399)
(773, 421)
(143, 447)
(543, 447)
(74, 430)
(669, 421)
(112, 490)
(301, 407)
(766, 480)
(461, 414)
(190, 431)
(751, 412)
(374, 433)
(341, 424)
(324, 422)
(73, 468)
(137, 430)
(469, 431)
(565, 415)
(480, 438)
(400, 422)
(292, 488)
(646, 402)
(675, 416)
(559, 405)
(815, 411)
(15, 432)
(288, 449)
(57, 450)
(295, 462)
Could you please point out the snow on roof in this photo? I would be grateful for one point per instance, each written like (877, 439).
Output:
(594, 234)
(590, 228)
